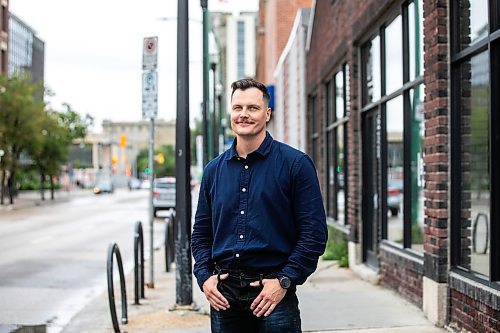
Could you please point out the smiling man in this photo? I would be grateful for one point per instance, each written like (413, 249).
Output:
(260, 225)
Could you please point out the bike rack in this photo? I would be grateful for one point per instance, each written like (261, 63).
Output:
(474, 235)
(114, 250)
(169, 239)
(138, 263)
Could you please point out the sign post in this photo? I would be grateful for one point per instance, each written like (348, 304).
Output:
(150, 111)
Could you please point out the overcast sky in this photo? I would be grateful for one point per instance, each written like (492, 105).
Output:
(93, 52)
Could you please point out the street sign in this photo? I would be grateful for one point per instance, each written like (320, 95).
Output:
(150, 53)
(149, 95)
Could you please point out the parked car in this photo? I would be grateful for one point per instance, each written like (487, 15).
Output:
(394, 196)
(134, 184)
(163, 194)
(104, 186)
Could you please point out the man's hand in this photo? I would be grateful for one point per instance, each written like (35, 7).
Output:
(269, 297)
(214, 297)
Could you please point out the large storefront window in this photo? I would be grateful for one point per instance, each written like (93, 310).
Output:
(392, 63)
(336, 96)
(475, 138)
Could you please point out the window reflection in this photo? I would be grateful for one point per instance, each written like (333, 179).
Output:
(473, 21)
(339, 95)
(373, 77)
(475, 164)
(417, 167)
(416, 38)
(394, 55)
(339, 175)
(394, 124)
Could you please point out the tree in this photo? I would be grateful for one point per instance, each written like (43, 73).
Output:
(20, 118)
(59, 129)
(167, 168)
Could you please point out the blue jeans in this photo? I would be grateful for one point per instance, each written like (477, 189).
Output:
(239, 318)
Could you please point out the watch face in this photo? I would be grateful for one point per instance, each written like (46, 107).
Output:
(285, 282)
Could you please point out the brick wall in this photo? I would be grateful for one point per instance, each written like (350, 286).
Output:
(402, 274)
(473, 307)
(436, 161)
(277, 17)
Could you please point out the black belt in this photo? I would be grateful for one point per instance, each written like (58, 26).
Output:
(244, 275)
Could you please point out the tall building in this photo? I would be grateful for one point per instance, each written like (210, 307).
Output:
(235, 33)
(4, 35)
(26, 50)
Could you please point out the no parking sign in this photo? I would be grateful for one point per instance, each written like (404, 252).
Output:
(150, 53)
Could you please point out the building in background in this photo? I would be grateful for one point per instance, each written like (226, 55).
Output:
(235, 33)
(289, 114)
(275, 27)
(113, 152)
(26, 50)
(4, 35)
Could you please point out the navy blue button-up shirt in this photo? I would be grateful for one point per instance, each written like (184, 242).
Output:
(260, 214)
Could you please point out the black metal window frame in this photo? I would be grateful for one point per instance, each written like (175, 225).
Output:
(491, 45)
(380, 105)
(332, 125)
(313, 126)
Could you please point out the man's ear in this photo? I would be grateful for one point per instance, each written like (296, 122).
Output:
(268, 114)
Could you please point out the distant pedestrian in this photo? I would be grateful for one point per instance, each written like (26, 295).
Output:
(260, 225)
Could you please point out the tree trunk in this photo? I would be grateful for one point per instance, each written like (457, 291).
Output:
(51, 188)
(42, 181)
(2, 187)
(10, 186)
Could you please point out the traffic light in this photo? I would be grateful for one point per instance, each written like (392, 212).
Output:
(114, 159)
(123, 141)
(160, 158)
(147, 171)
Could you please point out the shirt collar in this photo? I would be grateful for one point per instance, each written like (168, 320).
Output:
(263, 150)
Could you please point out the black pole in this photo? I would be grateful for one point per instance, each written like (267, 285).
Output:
(184, 284)
(205, 115)
(215, 132)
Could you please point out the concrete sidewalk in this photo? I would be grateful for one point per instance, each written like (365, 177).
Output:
(332, 300)
(30, 199)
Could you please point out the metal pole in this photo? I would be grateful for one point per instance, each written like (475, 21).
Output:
(184, 282)
(151, 283)
(205, 113)
(215, 132)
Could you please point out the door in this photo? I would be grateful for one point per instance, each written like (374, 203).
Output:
(371, 137)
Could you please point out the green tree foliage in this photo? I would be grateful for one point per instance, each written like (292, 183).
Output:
(30, 132)
(20, 118)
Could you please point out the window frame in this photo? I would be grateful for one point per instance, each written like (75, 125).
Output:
(332, 125)
(491, 45)
(380, 105)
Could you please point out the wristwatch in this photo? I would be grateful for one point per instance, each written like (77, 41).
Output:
(285, 281)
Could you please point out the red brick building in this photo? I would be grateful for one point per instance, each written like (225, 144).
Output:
(4, 35)
(404, 128)
(276, 19)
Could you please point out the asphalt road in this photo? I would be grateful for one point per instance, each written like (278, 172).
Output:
(53, 257)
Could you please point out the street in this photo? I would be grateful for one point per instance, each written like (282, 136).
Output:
(54, 256)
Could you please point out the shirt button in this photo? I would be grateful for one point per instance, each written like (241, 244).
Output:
(237, 255)
(241, 236)
(239, 158)
(244, 189)
(246, 166)
(242, 212)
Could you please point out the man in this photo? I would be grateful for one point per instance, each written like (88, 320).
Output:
(260, 225)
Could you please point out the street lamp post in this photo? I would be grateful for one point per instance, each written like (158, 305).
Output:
(205, 115)
(184, 282)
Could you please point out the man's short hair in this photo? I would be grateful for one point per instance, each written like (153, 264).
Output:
(244, 84)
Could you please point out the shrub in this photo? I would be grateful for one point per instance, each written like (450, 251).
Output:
(336, 248)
